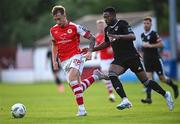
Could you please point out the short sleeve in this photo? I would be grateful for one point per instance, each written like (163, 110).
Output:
(155, 37)
(142, 37)
(126, 28)
(83, 31)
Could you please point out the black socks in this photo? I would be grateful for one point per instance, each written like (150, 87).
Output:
(117, 86)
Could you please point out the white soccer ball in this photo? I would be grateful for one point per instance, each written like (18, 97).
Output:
(18, 110)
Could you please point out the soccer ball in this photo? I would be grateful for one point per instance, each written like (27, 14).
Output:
(18, 110)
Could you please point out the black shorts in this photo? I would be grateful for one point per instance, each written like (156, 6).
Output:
(133, 63)
(154, 65)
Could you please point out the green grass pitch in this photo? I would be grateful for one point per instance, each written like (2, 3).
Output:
(46, 106)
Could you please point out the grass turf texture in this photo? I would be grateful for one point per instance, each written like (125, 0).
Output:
(46, 106)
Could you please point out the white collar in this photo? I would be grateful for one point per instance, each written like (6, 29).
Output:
(114, 24)
(147, 33)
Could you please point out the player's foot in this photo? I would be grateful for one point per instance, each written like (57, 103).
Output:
(176, 91)
(61, 88)
(81, 113)
(147, 100)
(124, 104)
(169, 100)
(100, 75)
(112, 97)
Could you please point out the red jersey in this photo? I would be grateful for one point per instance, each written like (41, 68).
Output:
(67, 39)
(105, 53)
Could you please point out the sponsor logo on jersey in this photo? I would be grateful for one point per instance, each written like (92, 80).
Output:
(129, 29)
(139, 68)
(116, 28)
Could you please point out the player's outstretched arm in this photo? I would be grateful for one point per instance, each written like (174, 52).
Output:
(126, 37)
(92, 42)
(88, 54)
(101, 46)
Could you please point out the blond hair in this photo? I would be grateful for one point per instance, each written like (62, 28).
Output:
(148, 18)
(58, 8)
(100, 21)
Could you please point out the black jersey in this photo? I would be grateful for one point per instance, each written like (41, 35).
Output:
(122, 49)
(151, 37)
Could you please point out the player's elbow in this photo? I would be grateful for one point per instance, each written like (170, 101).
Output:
(133, 37)
(92, 38)
(161, 45)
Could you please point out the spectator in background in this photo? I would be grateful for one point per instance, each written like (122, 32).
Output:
(55, 72)
(152, 60)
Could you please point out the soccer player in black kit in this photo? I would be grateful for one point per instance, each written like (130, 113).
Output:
(152, 59)
(59, 83)
(120, 36)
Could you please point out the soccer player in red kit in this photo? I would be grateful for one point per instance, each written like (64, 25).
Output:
(65, 45)
(106, 57)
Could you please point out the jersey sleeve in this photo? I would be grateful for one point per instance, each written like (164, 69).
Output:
(155, 37)
(83, 31)
(126, 28)
(142, 37)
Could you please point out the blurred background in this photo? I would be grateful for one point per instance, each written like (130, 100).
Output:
(25, 40)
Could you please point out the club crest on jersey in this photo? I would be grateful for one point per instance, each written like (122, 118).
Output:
(148, 37)
(129, 29)
(116, 28)
(69, 31)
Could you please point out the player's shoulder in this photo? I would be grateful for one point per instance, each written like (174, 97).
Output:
(78, 26)
(54, 27)
(154, 33)
(123, 22)
(72, 24)
(142, 34)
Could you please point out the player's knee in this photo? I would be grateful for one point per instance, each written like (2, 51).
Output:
(73, 76)
(112, 74)
(146, 82)
(113, 77)
(73, 83)
(163, 79)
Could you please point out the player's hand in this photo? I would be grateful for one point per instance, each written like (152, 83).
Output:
(113, 37)
(55, 66)
(88, 55)
(84, 50)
